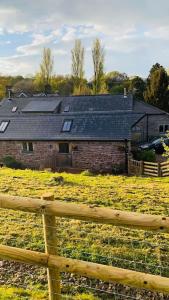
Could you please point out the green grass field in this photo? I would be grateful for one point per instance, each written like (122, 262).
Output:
(139, 250)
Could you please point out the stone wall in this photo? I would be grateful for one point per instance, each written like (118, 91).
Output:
(41, 151)
(97, 156)
(154, 121)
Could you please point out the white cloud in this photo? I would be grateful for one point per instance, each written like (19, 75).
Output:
(161, 32)
(130, 31)
(39, 41)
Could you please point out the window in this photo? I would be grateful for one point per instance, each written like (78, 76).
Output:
(66, 109)
(166, 128)
(14, 109)
(163, 128)
(63, 148)
(27, 146)
(67, 125)
(3, 125)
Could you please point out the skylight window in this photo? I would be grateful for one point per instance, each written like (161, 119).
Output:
(67, 125)
(67, 108)
(3, 125)
(14, 109)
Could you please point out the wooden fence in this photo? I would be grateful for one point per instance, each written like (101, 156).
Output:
(136, 167)
(55, 264)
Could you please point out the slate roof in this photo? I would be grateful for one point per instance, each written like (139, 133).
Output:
(76, 104)
(100, 117)
(97, 103)
(113, 126)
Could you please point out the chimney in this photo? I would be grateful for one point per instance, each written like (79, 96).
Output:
(47, 89)
(8, 91)
(125, 93)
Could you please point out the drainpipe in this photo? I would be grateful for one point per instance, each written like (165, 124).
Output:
(147, 131)
(126, 155)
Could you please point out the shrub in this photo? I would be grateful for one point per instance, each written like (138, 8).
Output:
(87, 173)
(12, 163)
(146, 155)
(118, 169)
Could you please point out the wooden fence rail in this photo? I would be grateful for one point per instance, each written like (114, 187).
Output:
(58, 264)
(89, 269)
(148, 168)
(86, 212)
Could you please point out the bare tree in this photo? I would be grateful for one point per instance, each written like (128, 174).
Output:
(78, 64)
(98, 64)
(46, 66)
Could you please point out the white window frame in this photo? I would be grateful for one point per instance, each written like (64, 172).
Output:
(67, 108)
(3, 126)
(67, 124)
(27, 150)
(14, 108)
(164, 131)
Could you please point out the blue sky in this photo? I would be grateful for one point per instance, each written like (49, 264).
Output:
(135, 34)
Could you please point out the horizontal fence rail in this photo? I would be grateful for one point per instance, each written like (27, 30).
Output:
(57, 264)
(92, 270)
(87, 213)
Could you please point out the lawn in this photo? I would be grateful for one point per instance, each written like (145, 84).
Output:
(139, 250)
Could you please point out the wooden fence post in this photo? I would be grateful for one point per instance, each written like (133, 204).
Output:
(129, 165)
(142, 167)
(159, 169)
(49, 223)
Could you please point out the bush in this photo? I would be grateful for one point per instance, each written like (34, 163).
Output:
(146, 155)
(11, 162)
(87, 173)
(118, 169)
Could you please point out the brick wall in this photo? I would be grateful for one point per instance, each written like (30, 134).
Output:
(42, 150)
(97, 156)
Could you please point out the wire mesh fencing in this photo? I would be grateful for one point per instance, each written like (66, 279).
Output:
(121, 247)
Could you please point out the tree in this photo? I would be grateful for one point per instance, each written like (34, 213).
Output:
(78, 64)
(115, 82)
(43, 78)
(156, 92)
(137, 86)
(98, 64)
(24, 85)
(63, 85)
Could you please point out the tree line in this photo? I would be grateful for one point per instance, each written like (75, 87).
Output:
(153, 90)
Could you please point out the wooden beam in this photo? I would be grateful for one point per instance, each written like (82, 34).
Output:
(88, 269)
(86, 213)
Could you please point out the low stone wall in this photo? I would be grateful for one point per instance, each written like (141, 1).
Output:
(95, 156)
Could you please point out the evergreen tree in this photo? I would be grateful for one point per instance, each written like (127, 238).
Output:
(156, 92)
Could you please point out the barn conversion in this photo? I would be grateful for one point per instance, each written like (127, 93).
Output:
(83, 132)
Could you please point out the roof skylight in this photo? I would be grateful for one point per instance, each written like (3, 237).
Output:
(3, 125)
(67, 125)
